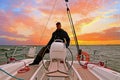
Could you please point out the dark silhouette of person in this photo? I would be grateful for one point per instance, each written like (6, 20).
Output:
(59, 33)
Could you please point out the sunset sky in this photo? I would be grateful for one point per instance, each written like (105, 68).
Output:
(31, 22)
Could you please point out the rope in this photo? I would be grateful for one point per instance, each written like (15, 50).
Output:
(10, 75)
(25, 69)
(48, 20)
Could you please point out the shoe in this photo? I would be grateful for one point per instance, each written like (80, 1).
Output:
(33, 64)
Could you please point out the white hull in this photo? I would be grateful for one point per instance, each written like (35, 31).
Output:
(12, 68)
(40, 73)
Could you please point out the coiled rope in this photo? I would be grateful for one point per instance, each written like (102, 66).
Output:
(25, 69)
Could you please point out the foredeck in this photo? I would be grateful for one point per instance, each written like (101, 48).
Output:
(27, 75)
(85, 74)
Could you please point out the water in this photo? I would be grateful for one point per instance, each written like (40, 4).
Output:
(110, 54)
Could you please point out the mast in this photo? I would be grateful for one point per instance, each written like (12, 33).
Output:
(73, 28)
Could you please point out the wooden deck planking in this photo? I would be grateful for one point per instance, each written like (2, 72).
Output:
(27, 75)
(85, 73)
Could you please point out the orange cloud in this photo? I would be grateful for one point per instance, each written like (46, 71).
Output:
(22, 29)
(13, 38)
(39, 37)
(27, 29)
(86, 7)
(83, 23)
(109, 36)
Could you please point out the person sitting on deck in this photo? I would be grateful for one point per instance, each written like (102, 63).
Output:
(57, 34)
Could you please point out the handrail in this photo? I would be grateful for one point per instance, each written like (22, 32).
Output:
(14, 52)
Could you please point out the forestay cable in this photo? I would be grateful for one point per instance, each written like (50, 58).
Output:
(41, 37)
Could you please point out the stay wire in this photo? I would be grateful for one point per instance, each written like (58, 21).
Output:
(73, 29)
(74, 33)
(41, 37)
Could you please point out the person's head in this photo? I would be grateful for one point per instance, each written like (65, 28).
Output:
(58, 25)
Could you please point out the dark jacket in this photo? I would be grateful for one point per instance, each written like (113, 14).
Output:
(59, 34)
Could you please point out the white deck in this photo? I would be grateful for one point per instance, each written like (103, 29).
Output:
(38, 72)
(85, 74)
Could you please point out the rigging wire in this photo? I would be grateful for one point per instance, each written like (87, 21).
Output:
(74, 33)
(73, 29)
(41, 37)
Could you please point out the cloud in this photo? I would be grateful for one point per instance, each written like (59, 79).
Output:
(4, 19)
(13, 38)
(27, 20)
(39, 1)
(15, 24)
(84, 7)
(116, 16)
(22, 29)
(4, 41)
(106, 35)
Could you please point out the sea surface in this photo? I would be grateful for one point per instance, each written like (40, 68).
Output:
(109, 54)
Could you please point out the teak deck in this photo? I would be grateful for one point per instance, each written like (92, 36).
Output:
(27, 75)
(85, 74)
